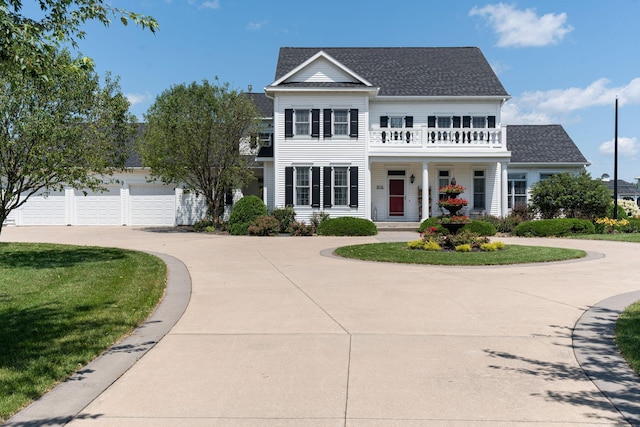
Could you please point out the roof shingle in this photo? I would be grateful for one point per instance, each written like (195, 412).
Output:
(542, 144)
(409, 71)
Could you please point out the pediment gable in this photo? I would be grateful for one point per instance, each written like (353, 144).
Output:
(321, 69)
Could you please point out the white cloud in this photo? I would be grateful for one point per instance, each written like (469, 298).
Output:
(137, 98)
(523, 28)
(626, 147)
(557, 105)
(209, 5)
(256, 26)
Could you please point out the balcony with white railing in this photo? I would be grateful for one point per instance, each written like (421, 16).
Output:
(434, 138)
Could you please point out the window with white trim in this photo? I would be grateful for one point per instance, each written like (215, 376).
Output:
(443, 180)
(517, 189)
(302, 186)
(479, 190)
(473, 122)
(340, 122)
(302, 122)
(340, 186)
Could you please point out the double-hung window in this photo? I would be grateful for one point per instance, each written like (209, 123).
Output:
(340, 186)
(443, 180)
(302, 122)
(517, 189)
(303, 186)
(340, 122)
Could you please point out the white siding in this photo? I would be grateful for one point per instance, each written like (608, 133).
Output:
(191, 207)
(321, 70)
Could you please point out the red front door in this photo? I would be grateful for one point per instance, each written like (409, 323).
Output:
(396, 197)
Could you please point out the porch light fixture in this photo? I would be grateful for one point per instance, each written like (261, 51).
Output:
(412, 178)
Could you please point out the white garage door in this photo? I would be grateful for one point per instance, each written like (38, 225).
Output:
(43, 210)
(152, 205)
(98, 208)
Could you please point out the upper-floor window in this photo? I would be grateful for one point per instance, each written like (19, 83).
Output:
(396, 121)
(340, 122)
(473, 122)
(302, 122)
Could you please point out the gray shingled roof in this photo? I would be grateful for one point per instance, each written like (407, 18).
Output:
(263, 104)
(542, 144)
(409, 71)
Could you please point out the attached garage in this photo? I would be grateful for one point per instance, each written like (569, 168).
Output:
(98, 208)
(152, 205)
(43, 209)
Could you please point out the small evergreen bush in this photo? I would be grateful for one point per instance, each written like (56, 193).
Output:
(347, 226)
(264, 226)
(431, 222)
(203, 225)
(482, 228)
(554, 227)
(244, 212)
(463, 248)
(285, 216)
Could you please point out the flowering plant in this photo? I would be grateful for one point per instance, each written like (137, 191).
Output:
(456, 219)
(452, 188)
(455, 202)
(612, 225)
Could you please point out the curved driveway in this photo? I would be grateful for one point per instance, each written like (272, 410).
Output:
(276, 334)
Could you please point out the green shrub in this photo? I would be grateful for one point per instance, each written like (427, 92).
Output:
(632, 227)
(431, 222)
(301, 229)
(415, 244)
(554, 227)
(347, 226)
(244, 212)
(285, 216)
(264, 226)
(482, 228)
(488, 247)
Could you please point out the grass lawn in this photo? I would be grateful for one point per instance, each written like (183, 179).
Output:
(628, 335)
(512, 254)
(61, 306)
(619, 237)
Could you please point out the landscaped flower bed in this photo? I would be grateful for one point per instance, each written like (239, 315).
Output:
(432, 239)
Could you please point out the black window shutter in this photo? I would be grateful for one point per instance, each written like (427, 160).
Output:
(491, 121)
(315, 187)
(288, 186)
(327, 122)
(384, 121)
(456, 121)
(353, 190)
(431, 121)
(353, 131)
(315, 122)
(408, 121)
(288, 123)
(326, 172)
(466, 121)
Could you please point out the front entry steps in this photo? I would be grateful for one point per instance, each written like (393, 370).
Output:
(397, 226)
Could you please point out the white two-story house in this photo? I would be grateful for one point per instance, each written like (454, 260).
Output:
(375, 132)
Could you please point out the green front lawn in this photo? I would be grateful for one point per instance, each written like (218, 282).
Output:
(512, 254)
(618, 237)
(628, 335)
(61, 306)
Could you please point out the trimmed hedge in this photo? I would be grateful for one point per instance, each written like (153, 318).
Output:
(482, 228)
(347, 226)
(245, 211)
(554, 227)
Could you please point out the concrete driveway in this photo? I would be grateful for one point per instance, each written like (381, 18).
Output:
(279, 334)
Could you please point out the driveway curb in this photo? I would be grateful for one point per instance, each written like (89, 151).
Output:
(67, 399)
(598, 355)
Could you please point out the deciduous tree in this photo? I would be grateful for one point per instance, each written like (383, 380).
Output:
(29, 43)
(193, 136)
(65, 130)
(571, 195)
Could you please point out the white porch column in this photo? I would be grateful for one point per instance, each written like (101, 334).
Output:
(504, 190)
(368, 206)
(425, 191)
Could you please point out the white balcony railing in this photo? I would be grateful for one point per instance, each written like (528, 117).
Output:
(436, 138)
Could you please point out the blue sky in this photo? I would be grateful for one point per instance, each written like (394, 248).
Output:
(563, 62)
